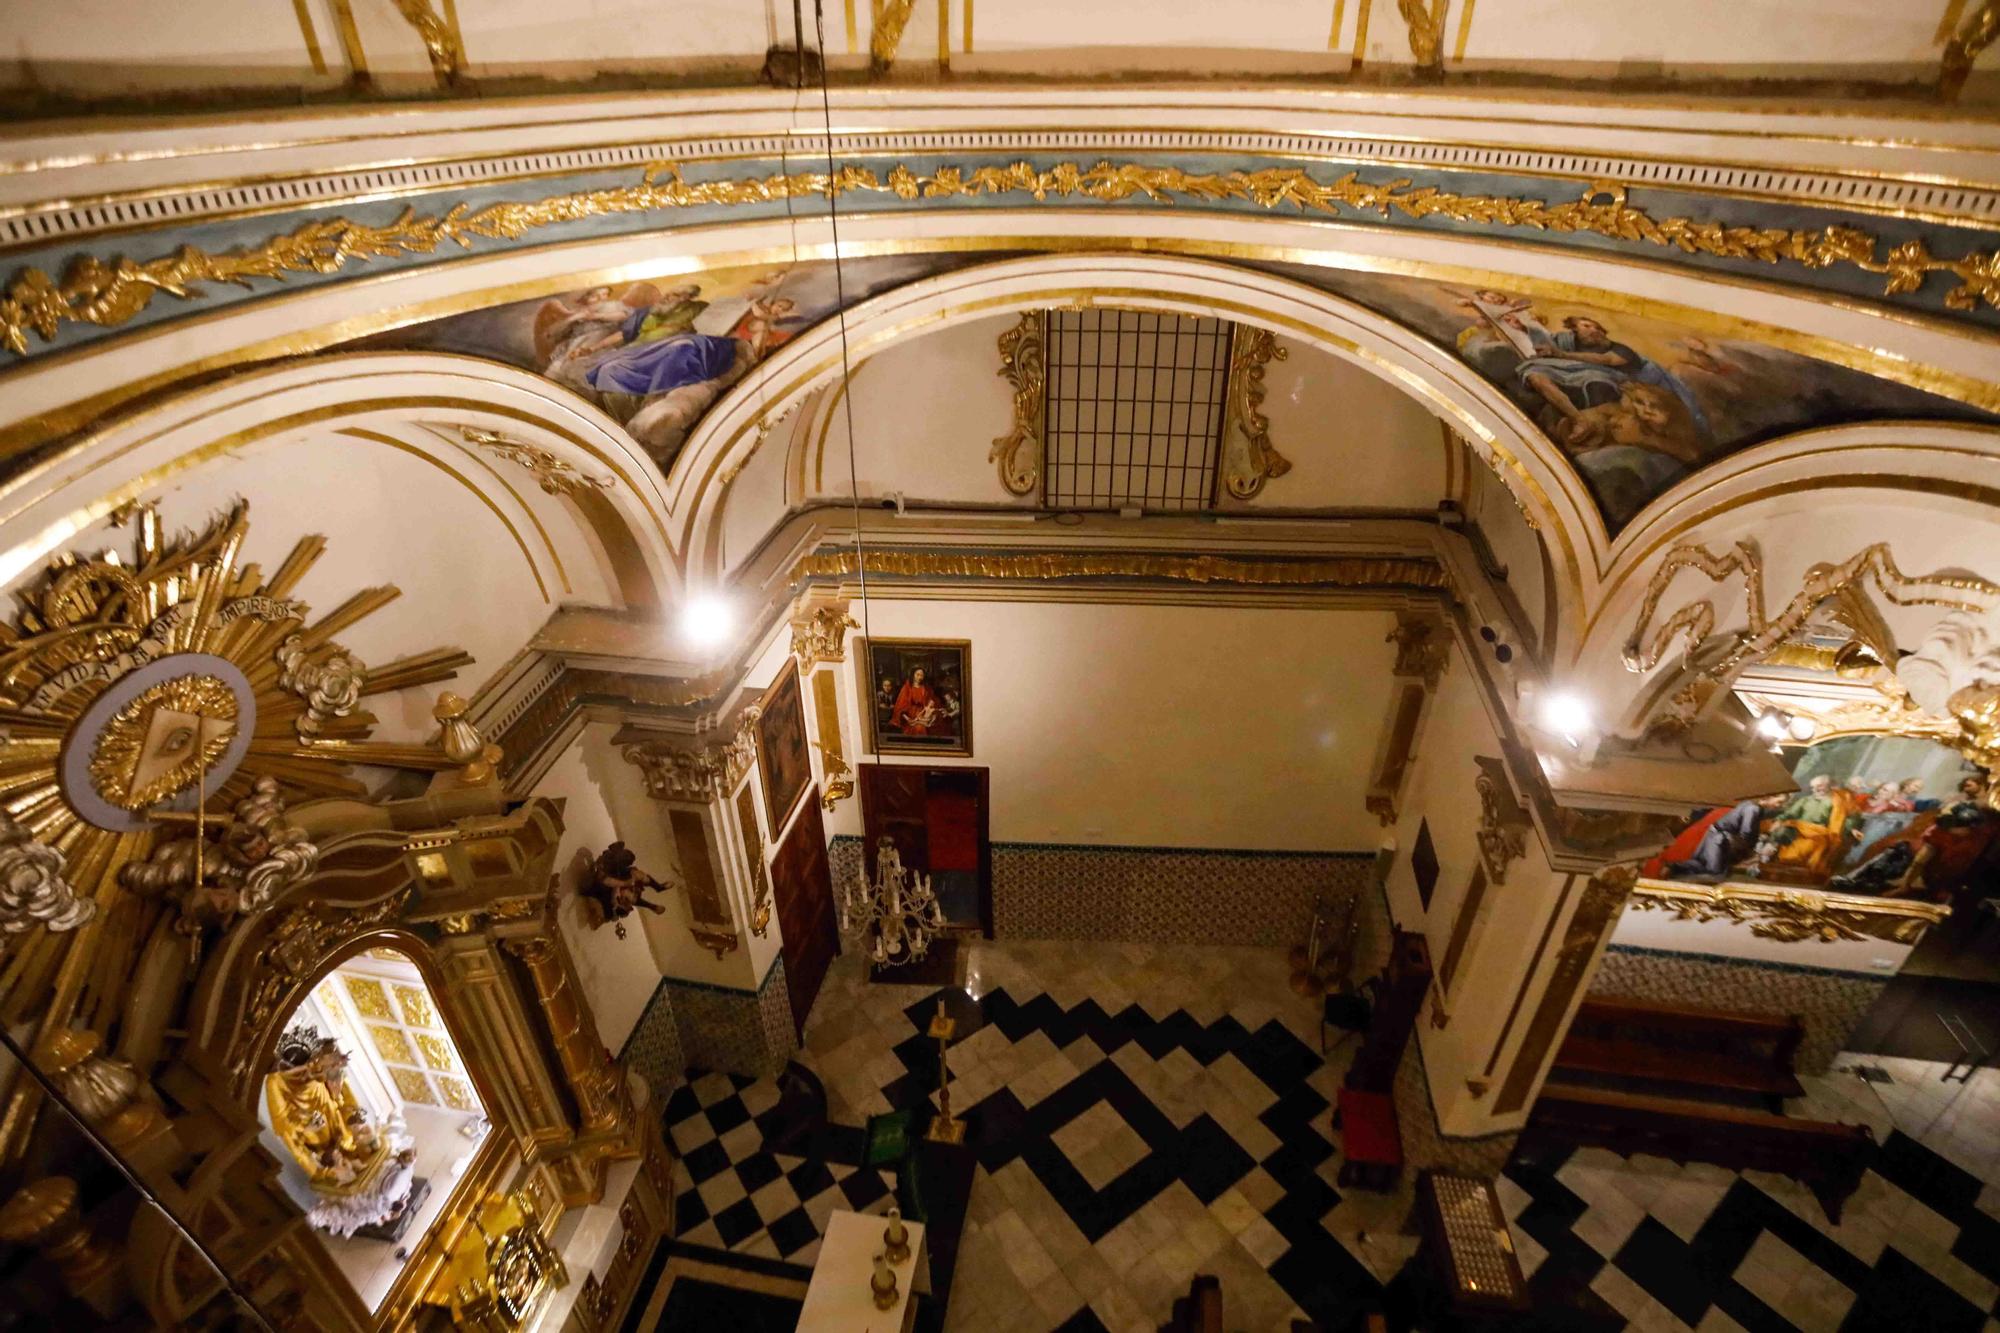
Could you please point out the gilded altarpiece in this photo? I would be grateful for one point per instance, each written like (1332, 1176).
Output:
(189, 848)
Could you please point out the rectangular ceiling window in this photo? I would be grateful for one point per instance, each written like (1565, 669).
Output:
(1135, 409)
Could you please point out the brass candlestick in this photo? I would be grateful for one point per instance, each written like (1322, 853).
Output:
(883, 1283)
(944, 1129)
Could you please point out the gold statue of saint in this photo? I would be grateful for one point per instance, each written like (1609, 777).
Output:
(314, 1113)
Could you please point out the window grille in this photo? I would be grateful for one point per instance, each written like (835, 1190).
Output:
(1134, 409)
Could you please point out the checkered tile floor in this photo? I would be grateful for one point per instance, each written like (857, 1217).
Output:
(1144, 1114)
(733, 1195)
(1711, 1249)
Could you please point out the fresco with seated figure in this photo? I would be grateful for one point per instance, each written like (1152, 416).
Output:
(1635, 403)
(655, 355)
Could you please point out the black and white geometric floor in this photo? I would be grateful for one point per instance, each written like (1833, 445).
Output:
(734, 1196)
(1146, 1113)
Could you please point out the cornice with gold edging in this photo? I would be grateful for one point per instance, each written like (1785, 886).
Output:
(1926, 197)
(108, 293)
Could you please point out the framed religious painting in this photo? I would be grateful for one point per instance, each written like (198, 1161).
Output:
(917, 695)
(782, 756)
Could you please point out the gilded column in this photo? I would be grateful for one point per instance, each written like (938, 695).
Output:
(502, 1040)
(601, 1095)
(695, 782)
(1423, 647)
(819, 641)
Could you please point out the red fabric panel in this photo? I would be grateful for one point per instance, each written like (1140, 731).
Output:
(951, 824)
(1368, 1128)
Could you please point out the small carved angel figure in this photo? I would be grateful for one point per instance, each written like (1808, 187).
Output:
(618, 886)
(256, 856)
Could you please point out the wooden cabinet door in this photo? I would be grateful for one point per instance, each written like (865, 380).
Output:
(803, 889)
(938, 819)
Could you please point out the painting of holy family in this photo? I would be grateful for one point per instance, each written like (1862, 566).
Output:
(1886, 816)
(918, 696)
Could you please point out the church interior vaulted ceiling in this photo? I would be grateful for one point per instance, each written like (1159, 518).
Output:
(894, 666)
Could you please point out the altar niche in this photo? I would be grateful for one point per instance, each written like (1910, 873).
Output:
(369, 1109)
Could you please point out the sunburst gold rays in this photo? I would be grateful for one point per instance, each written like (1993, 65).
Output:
(83, 628)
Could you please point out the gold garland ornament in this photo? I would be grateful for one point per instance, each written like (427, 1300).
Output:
(110, 293)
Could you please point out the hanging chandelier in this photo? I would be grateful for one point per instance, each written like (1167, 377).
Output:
(894, 918)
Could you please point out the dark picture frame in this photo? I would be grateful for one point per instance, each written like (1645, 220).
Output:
(783, 757)
(913, 714)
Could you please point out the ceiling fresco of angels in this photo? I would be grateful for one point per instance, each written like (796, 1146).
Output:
(1634, 403)
(657, 355)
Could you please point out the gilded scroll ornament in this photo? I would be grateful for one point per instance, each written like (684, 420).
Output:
(327, 678)
(838, 785)
(1256, 461)
(1791, 915)
(1019, 451)
(890, 17)
(718, 940)
(556, 476)
(33, 891)
(440, 42)
(109, 293)
(1426, 22)
(1694, 623)
(1974, 35)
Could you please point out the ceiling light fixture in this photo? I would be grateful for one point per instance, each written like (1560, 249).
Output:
(1566, 714)
(707, 619)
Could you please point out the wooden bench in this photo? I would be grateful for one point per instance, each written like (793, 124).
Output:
(1732, 1051)
(1827, 1158)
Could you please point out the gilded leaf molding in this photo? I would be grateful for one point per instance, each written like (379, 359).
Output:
(109, 293)
(1694, 622)
(1335, 571)
(1790, 915)
(556, 476)
(1255, 461)
(1019, 451)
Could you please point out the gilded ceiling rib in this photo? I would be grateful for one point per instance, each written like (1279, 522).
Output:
(108, 294)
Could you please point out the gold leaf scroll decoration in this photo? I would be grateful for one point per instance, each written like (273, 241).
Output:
(109, 293)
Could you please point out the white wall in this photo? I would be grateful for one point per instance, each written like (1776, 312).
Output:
(1354, 439)
(1168, 726)
(618, 976)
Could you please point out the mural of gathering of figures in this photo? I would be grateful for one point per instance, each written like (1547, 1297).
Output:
(1888, 818)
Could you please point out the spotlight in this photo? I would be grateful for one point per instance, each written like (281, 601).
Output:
(1773, 725)
(706, 620)
(1803, 728)
(1567, 715)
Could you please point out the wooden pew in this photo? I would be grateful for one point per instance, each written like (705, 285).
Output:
(1726, 1050)
(1827, 1158)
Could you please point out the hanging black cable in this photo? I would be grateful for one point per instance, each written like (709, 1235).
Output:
(840, 308)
